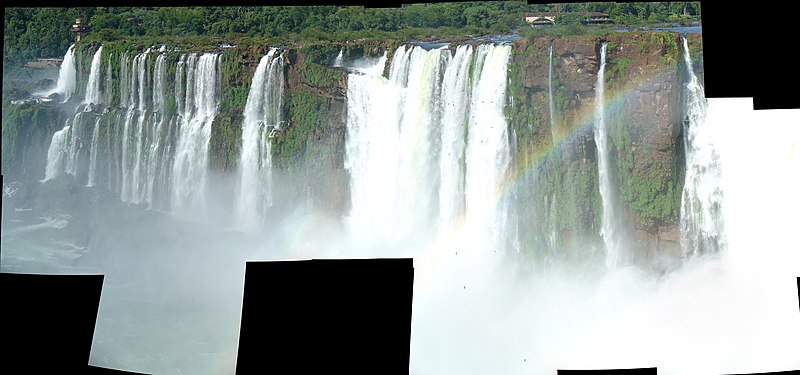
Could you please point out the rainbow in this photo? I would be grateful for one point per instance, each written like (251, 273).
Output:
(518, 177)
(521, 173)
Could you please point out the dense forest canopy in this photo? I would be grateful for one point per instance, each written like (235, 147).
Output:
(45, 32)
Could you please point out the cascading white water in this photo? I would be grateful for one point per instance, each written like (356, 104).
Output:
(487, 154)
(339, 61)
(67, 144)
(156, 141)
(93, 93)
(109, 85)
(125, 190)
(139, 173)
(419, 129)
(701, 221)
(145, 143)
(191, 152)
(367, 135)
(391, 151)
(127, 80)
(58, 152)
(429, 144)
(75, 144)
(159, 81)
(456, 96)
(369, 66)
(128, 93)
(67, 76)
(465, 261)
(124, 61)
(139, 142)
(114, 149)
(608, 228)
(542, 323)
(93, 153)
(261, 113)
(180, 86)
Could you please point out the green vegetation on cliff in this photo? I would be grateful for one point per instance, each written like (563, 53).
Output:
(643, 107)
(643, 135)
(646, 187)
(27, 129)
(559, 185)
(44, 32)
(555, 159)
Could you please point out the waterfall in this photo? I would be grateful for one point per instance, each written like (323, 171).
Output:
(109, 85)
(608, 228)
(114, 149)
(156, 140)
(141, 82)
(372, 173)
(123, 80)
(125, 98)
(67, 76)
(487, 154)
(701, 222)
(451, 161)
(125, 161)
(58, 152)
(93, 153)
(180, 93)
(428, 151)
(68, 144)
(93, 93)
(429, 144)
(339, 61)
(550, 94)
(369, 66)
(138, 156)
(391, 144)
(145, 143)
(75, 144)
(261, 113)
(418, 168)
(128, 92)
(191, 153)
(66, 148)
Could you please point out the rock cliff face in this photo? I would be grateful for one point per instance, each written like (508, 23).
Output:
(310, 152)
(646, 128)
(556, 158)
(644, 111)
(27, 129)
(550, 117)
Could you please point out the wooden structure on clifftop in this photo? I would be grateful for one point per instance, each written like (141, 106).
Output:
(80, 28)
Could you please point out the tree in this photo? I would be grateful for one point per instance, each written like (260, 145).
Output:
(477, 16)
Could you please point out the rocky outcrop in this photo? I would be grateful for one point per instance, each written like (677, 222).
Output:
(27, 131)
(643, 106)
(645, 128)
(309, 152)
